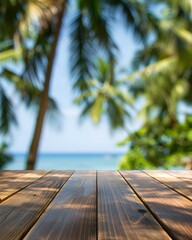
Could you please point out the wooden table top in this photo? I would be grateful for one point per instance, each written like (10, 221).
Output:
(95, 205)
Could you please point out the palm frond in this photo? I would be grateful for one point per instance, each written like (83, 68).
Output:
(7, 113)
(11, 54)
(81, 51)
(158, 67)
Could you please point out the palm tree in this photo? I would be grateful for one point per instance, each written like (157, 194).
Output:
(14, 48)
(162, 68)
(105, 96)
(90, 31)
(26, 39)
(25, 90)
(7, 110)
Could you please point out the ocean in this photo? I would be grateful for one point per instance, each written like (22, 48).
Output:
(77, 161)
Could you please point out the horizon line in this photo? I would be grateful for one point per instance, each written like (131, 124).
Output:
(57, 153)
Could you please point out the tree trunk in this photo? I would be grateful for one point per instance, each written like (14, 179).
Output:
(31, 158)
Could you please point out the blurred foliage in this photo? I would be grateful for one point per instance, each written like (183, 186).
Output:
(5, 157)
(25, 43)
(158, 144)
(162, 81)
(105, 96)
(91, 33)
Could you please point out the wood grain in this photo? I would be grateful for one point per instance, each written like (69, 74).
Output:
(13, 181)
(186, 175)
(9, 173)
(171, 209)
(72, 214)
(121, 215)
(19, 212)
(177, 184)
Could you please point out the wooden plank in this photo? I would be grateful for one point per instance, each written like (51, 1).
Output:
(177, 184)
(9, 173)
(14, 181)
(20, 212)
(171, 209)
(121, 215)
(186, 175)
(72, 214)
(6, 175)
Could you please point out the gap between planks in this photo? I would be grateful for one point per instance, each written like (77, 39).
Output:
(172, 211)
(176, 184)
(59, 221)
(121, 214)
(12, 184)
(116, 207)
(185, 175)
(22, 210)
(72, 213)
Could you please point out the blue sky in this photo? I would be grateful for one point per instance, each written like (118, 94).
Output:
(67, 134)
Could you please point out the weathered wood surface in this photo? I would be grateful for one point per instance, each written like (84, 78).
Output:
(10, 174)
(19, 213)
(171, 209)
(72, 214)
(181, 186)
(95, 205)
(184, 175)
(10, 183)
(121, 214)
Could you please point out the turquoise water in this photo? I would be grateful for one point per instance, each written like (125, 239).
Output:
(104, 161)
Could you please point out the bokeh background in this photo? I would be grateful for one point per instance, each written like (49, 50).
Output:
(102, 84)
